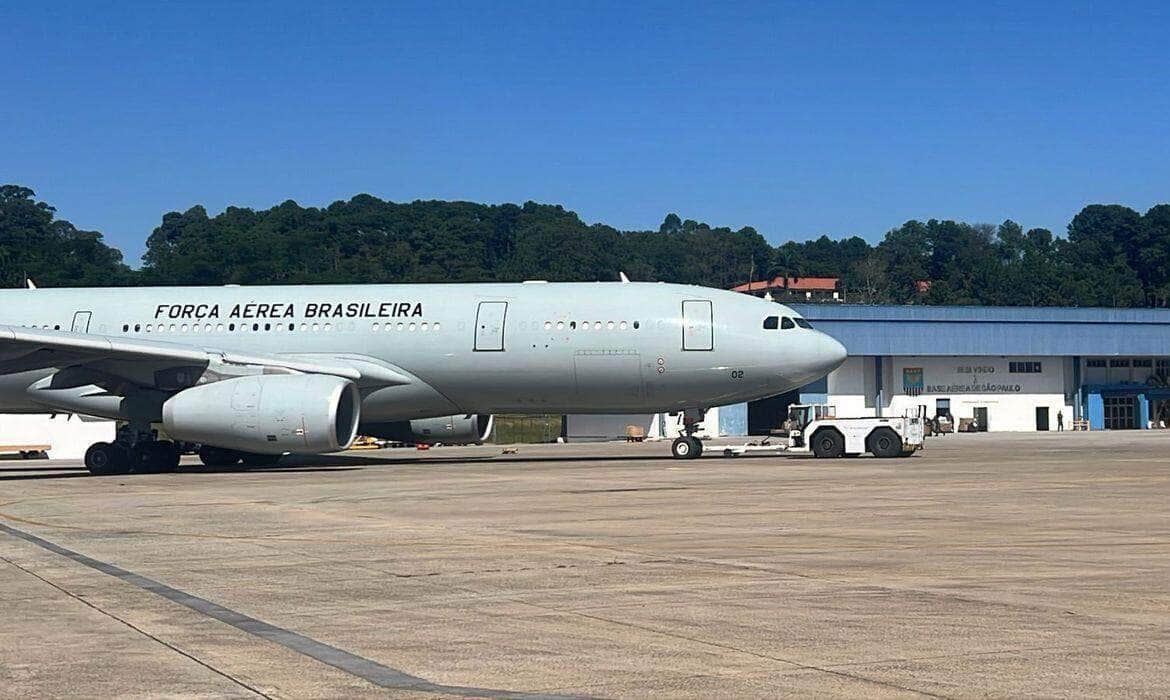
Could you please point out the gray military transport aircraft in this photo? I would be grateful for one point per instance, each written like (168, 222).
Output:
(253, 373)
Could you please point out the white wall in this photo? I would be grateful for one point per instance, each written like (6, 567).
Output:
(68, 436)
(604, 427)
(1011, 399)
(583, 426)
(672, 426)
(848, 387)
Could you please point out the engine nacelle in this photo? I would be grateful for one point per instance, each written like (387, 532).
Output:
(449, 430)
(267, 414)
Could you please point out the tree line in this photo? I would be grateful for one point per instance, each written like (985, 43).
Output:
(1111, 255)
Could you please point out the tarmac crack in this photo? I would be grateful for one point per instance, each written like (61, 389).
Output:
(730, 647)
(361, 667)
(139, 630)
(977, 654)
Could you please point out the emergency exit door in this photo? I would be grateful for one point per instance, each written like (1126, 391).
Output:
(81, 321)
(489, 326)
(698, 333)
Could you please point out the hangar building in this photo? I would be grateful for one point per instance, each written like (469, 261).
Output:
(1010, 368)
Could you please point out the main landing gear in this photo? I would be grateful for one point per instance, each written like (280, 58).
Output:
(688, 446)
(133, 452)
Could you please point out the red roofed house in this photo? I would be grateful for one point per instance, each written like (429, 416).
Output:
(794, 288)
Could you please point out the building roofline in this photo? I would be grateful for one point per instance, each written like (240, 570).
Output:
(992, 330)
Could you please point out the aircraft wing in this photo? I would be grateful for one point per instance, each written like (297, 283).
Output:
(138, 360)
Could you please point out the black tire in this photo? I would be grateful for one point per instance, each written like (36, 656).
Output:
(218, 456)
(259, 460)
(159, 457)
(884, 443)
(686, 448)
(827, 443)
(103, 458)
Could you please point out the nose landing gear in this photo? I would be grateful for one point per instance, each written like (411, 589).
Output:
(688, 446)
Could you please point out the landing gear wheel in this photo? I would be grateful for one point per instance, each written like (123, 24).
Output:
(157, 457)
(828, 443)
(258, 460)
(218, 456)
(686, 448)
(103, 458)
(884, 442)
(169, 455)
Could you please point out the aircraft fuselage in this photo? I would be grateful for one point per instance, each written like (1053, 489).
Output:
(468, 348)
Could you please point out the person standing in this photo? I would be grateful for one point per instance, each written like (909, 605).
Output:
(1059, 421)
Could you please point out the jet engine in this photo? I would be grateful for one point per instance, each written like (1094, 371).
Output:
(449, 430)
(267, 414)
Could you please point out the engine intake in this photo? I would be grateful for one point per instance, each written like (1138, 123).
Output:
(449, 430)
(267, 414)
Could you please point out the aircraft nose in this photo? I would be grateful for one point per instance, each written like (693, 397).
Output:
(832, 352)
(819, 354)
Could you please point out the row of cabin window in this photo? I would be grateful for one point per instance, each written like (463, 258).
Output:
(771, 323)
(231, 327)
(597, 325)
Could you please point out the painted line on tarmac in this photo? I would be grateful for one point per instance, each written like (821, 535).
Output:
(359, 666)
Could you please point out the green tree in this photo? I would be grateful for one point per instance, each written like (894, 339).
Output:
(52, 252)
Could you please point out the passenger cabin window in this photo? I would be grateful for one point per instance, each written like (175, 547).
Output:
(786, 323)
(802, 323)
(771, 323)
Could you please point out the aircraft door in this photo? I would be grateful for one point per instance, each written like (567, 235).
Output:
(489, 326)
(698, 332)
(81, 321)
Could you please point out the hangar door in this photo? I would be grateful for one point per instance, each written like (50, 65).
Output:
(697, 331)
(489, 326)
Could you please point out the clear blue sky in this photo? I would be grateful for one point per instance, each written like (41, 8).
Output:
(796, 118)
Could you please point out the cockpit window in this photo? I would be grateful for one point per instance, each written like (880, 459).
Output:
(802, 323)
(786, 323)
(771, 323)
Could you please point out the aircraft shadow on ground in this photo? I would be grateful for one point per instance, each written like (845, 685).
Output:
(304, 464)
(295, 467)
(27, 477)
(7, 468)
(358, 461)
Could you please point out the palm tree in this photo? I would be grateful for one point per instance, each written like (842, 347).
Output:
(785, 264)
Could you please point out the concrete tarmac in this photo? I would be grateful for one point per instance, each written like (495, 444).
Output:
(994, 564)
